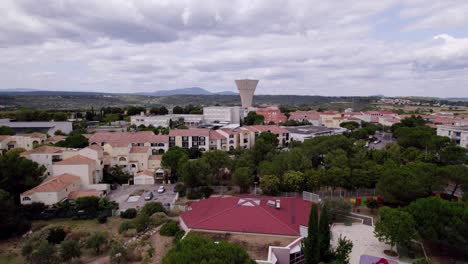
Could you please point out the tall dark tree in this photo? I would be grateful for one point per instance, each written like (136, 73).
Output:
(310, 245)
(324, 232)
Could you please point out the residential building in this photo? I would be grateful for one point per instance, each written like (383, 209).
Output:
(313, 117)
(165, 120)
(53, 190)
(281, 133)
(44, 127)
(144, 177)
(223, 114)
(457, 133)
(157, 143)
(301, 133)
(24, 141)
(45, 155)
(197, 138)
(272, 115)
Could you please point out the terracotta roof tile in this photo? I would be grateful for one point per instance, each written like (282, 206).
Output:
(190, 132)
(139, 149)
(264, 128)
(76, 160)
(44, 150)
(214, 135)
(55, 184)
(127, 137)
(155, 157)
(56, 138)
(145, 172)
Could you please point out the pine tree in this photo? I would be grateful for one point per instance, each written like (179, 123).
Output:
(324, 232)
(310, 245)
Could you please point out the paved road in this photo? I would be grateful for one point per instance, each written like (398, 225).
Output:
(384, 138)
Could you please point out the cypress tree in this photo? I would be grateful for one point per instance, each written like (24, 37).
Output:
(310, 245)
(324, 232)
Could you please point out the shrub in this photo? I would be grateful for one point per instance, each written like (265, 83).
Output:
(130, 213)
(31, 211)
(169, 229)
(69, 249)
(194, 195)
(104, 203)
(102, 219)
(206, 191)
(181, 189)
(27, 249)
(142, 222)
(56, 235)
(152, 207)
(158, 218)
(44, 253)
(178, 236)
(88, 203)
(118, 253)
(96, 241)
(124, 226)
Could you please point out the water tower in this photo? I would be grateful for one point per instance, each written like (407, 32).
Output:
(246, 91)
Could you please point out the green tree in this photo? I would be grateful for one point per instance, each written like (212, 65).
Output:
(395, 227)
(196, 173)
(4, 130)
(270, 184)
(441, 220)
(56, 235)
(118, 253)
(87, 203)
(218, 161)
(73, 141)
(243, 177)
(268, 138)
(11, 221)
(454, 155)
(177, 110)
(293, 181)
(253, 118)
(18, 174)
(196, 249)
(457, 175)
(96, 242)
(69, 249)
(311, 244)
(116, 175)
(173, 158)
(351, 125)
(343, 250)
(337, 206)
(324, 233)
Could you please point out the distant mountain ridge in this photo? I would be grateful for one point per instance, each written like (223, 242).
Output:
(188, 91)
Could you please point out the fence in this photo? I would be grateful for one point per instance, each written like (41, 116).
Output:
(343, 193)
(311, 197)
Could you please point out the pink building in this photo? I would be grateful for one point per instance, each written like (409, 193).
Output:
(272, 115)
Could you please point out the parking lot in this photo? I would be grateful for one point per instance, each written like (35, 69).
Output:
(123, 192)
(384, 138)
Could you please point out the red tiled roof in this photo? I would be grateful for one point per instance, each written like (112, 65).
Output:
(96, 147)
(44, 150)
(309, 115)
(128, 137)
(249, 215)
(189, 132)
(155, 157)
(139, 149)
(263, 128)
(55, 184)
(81, 193)
(76, 160)
(214, 135)
(56, 138)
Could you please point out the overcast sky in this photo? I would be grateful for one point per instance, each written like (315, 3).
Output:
(313, 47)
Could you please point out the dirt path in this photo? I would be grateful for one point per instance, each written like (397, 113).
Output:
(162, 245)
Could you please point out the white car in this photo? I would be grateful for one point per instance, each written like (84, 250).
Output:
(161, 189)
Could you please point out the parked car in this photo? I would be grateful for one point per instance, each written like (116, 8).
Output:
(367, 145)
(161, 189)
(148, 196)
(377, 141)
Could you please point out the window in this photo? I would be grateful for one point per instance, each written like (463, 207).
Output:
(231, 136)
(184, 138)
(122, 159)
(202, 138)
(171, 138)
(231, 141)
(195, 138)
(26, 198)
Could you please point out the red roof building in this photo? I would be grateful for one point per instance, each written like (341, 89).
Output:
(272, 115)
(248, 215)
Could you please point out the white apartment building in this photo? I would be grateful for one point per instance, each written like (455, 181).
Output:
(457, 133)
(165, 120)
(222, 114)
(45, 155)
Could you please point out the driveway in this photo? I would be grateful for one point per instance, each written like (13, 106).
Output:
(123, 192)
(384, 138)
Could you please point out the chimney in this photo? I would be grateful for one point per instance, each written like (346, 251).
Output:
(278, 206)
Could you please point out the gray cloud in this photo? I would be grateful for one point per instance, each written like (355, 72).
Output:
(295, 47)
